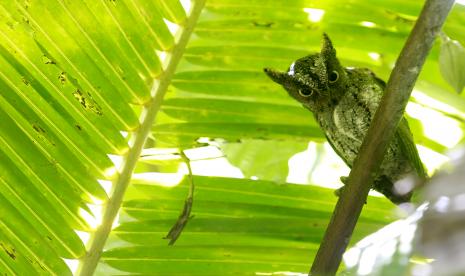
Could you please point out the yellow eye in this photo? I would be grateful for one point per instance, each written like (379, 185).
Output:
(333, 77)
(305, 93)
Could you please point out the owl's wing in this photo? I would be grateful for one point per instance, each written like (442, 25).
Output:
(340, 154)
(405, 137)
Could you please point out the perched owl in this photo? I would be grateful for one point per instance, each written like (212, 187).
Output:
(344, 101)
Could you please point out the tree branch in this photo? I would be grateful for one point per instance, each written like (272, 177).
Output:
(382, 129)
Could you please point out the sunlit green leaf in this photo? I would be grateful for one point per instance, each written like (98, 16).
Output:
(266, 160)
(76, 84)
(239, 227)
(452, 63)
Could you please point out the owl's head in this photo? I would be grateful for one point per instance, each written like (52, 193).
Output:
(311, 80)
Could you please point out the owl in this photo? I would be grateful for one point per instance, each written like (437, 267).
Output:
(343, 101)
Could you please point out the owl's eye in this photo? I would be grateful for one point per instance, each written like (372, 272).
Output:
(305, 93)
(333, 77)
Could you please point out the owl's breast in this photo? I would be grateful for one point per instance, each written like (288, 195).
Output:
(345, 126)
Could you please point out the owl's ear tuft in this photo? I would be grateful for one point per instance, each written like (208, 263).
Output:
(277, 76)
(327, 49)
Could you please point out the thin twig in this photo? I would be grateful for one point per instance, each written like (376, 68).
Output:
(185, 215)
(382, 129)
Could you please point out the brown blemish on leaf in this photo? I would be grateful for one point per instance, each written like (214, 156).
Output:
(47, 60)
(401, 17)
(79, 127)
(10, 251)
(62, 77)
(87, 102)
(41, 266)
(38, 128)
(262, 24)
(81, 99)
(24, 80)
(42, 133)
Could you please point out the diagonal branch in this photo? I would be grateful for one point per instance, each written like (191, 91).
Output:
(382, 129)
(90, 261)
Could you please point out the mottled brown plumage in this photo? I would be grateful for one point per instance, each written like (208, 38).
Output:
(344, 101)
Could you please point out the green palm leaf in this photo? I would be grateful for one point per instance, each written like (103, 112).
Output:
(82, 82)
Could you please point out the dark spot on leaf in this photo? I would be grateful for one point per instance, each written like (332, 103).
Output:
(78, 127)
(42, 133)
(11, 254)
(400, 17)
(62, 77)
(263, 24)
(81, 99)
(47, 60)
(25, 81)
(49, 238)
(87, 102)
(41, 266)
(10, 251)
(38, 128)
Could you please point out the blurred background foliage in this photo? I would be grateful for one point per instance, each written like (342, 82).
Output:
(75, 76)
(220, 93)
(220, 81)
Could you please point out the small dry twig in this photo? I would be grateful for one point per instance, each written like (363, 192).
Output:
(185, 215)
